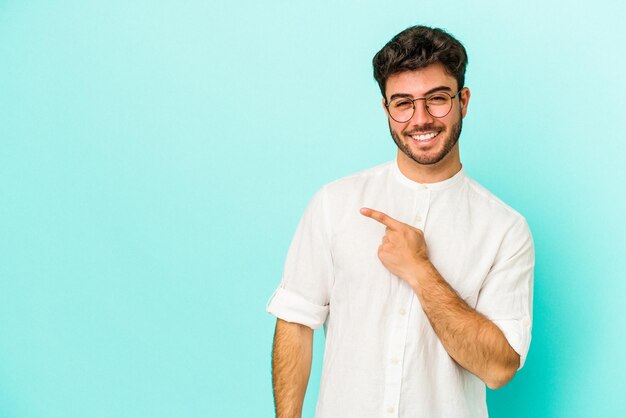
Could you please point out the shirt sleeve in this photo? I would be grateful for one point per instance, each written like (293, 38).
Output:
(506, 295)
(303, 295)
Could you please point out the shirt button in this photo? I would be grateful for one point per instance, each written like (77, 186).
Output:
(391, 409)
(402, 311)
(422, 187)
(526, 322)
(418, 218)
(394, 360)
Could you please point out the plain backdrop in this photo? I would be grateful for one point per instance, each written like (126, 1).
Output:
(156, 156)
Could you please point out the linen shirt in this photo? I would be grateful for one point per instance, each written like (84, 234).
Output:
(382, 357)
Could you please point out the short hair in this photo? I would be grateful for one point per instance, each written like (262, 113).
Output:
(418, 47)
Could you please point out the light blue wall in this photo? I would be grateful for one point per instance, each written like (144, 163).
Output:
(155, 157)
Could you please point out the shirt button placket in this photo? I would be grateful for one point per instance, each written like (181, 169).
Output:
(422, 204)
(393, 381)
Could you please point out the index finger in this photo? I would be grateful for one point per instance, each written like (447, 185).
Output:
(381, 217)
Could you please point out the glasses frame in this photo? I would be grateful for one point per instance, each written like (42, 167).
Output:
(425, 99)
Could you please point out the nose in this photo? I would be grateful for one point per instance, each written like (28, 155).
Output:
(421, 115)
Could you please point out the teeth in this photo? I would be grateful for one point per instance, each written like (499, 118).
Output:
(424, 137)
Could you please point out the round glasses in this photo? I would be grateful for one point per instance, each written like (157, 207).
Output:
(438, 105)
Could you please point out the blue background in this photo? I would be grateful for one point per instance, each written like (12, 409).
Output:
(156, 156)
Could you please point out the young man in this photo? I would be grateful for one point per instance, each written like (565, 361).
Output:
(421, 277)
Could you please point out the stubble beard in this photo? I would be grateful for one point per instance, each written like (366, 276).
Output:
(450, 142)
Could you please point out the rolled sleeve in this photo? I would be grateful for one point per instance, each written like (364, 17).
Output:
(292, 307)
(304, 292)
(517, 333)
(506, 295)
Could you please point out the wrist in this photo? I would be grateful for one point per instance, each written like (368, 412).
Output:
(418, 271)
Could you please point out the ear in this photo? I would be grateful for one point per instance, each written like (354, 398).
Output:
(464, 98)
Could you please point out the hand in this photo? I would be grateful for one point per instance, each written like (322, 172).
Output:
(403, 249)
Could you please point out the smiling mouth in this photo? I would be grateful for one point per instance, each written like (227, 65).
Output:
(424, 137)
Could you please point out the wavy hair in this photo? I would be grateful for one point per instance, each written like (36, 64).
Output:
(418, 47)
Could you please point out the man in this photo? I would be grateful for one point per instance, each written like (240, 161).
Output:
(421, 277)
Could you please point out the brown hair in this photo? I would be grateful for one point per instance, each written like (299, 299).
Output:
(418, 47)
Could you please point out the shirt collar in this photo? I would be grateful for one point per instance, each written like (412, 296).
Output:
(440, 185)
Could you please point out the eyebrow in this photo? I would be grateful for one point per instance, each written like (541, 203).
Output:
(431, 91)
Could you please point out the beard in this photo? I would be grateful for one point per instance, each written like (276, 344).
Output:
(429, 159)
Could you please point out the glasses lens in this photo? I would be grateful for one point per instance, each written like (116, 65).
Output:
(439, 104)
(401, 110)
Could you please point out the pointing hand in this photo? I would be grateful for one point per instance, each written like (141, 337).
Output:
(403, 247)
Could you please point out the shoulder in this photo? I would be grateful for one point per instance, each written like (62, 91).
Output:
(492, 208)
(355, 183)
(344, 196)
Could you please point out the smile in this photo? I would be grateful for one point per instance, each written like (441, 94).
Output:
(425, 137)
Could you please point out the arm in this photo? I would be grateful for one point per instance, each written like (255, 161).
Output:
(291, 366)
(471, 339)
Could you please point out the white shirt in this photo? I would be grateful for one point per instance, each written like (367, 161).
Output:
(382, 357)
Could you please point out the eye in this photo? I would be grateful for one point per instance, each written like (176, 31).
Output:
(438, 99)
(402, 103)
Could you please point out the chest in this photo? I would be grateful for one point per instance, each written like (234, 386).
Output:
(460, 245)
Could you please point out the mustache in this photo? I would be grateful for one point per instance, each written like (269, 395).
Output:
(429, 127)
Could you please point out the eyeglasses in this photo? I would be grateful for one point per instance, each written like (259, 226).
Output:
(438, 105)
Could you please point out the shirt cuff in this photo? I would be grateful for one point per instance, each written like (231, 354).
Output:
(292, 307)
(517, 333)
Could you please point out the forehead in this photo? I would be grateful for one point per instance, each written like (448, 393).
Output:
(418, 82)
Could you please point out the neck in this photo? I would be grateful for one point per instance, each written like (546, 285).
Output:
(431, 173)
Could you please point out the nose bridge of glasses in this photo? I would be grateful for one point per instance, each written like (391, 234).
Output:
(424, 108)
